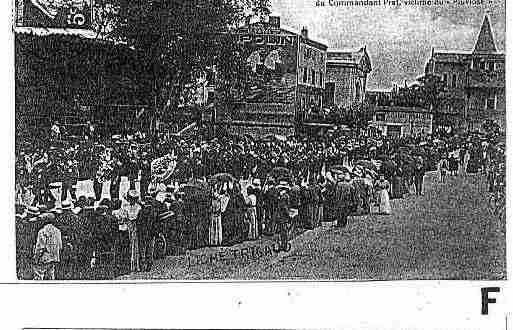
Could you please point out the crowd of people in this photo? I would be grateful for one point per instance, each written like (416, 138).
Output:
(194, 192)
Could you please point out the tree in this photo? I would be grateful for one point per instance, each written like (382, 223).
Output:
(435, 95)
(178, 41)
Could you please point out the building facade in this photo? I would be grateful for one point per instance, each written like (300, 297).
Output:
(346, 81)
(286, 80)
(476, 80)
(395, 121)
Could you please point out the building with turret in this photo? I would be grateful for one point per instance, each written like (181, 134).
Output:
(476, 80)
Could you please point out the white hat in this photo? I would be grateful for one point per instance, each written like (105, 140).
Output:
(66, 205)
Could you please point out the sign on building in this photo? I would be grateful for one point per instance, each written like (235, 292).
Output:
(74, 14)
(271, 60)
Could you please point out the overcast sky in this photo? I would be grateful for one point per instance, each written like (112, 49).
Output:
(398, 39)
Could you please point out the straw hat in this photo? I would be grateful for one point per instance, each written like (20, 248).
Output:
(283, 185)
(66, 205)
(56, 210)
(33, 211)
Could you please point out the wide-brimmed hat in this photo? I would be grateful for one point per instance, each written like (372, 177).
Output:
(101, 209)
(56, 210)
(166, 215)
(33, 211)
(66, 205)
(106, 202)
(42, 208)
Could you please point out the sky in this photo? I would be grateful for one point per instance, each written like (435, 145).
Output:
(398, 38)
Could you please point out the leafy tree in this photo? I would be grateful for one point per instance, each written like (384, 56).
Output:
(178, 41)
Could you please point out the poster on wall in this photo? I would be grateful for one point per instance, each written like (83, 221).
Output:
(74, 14)
(271, 60)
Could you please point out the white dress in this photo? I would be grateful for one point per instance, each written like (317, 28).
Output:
(384, 199)
(216, 227)
(251, 217)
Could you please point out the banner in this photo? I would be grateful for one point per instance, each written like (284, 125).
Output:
(74, 14)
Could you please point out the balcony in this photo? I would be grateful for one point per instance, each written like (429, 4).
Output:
(486, 79)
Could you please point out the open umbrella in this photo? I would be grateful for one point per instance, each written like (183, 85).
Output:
(367, 164)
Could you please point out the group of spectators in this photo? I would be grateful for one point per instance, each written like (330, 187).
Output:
(205, 193)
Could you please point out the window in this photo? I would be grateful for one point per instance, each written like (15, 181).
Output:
(482, 65)
(380, 117)
(321, 78)
(305, 75)
(454, 80)
(490, 102)
(313, 77)
(491, 66)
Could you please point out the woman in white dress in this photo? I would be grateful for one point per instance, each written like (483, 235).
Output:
(132, 210)
(216, 227)
(251, 214)
(382, 189)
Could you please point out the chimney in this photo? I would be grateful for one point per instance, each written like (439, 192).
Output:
(274, 21)
(304, 32)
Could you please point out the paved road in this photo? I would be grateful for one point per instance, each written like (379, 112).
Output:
(446, 234)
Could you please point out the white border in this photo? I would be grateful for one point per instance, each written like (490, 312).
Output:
(296, 305)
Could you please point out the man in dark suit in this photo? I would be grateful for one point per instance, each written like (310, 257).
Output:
(344, 199)
(148, 228)
(418, 172)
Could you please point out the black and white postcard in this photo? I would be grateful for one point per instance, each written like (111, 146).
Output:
(260, 140)
(255, 164)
